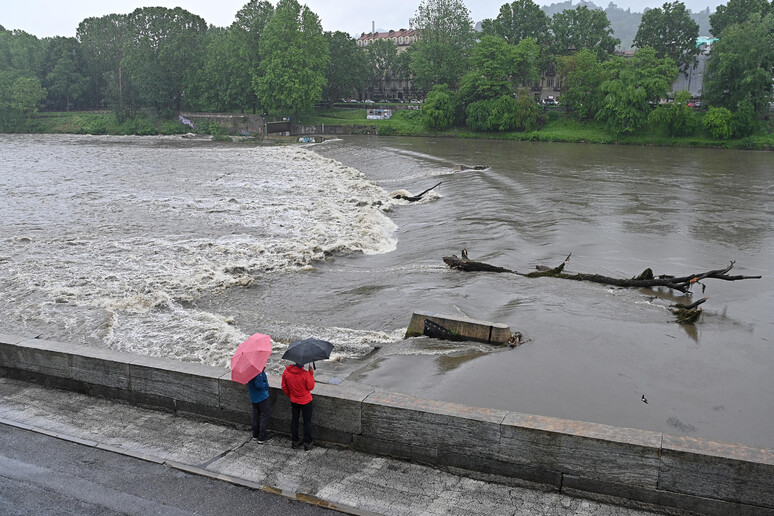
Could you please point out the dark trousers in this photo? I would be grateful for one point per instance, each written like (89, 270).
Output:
(260, 419)
(295, 408)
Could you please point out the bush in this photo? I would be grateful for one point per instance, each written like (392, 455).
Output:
(438, 109)
(745, 120)
(504, 114)
(718, 122)
(477, 115)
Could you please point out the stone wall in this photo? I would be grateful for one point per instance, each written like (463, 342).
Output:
(678, 475)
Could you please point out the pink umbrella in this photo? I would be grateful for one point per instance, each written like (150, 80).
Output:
(250, 358)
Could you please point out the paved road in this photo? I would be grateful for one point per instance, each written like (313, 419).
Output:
(44, 475)
(193, 466)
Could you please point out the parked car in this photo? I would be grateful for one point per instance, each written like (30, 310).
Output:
(368, 101)
(355, 101)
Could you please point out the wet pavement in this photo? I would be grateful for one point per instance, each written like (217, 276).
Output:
(326, 476)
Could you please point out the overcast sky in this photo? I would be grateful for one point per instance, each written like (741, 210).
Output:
(45, 18)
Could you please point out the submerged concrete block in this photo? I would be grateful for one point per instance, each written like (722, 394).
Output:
(723, 471)
(589, 450)
(464, 327)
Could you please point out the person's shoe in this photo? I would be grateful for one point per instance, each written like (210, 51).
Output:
(308, 446)
(264, 441)
(296, 444)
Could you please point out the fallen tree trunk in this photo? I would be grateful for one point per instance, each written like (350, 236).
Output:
(686, 314)
(646, 279)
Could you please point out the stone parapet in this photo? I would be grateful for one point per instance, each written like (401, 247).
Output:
(639, 468)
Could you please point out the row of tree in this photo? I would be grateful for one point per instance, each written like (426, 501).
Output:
(279, 59)
(623, 92)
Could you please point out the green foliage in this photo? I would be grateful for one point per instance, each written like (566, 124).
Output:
(717, 121)
(582, 74)
(348, 67)
(737, 12)
(438, 108)
(441, 54)
(518, 21)
(576, 29)
(163, 47)
(504, 114)
(631, 85)
(497, 67)
(741, 65)
(528, 112)
(295, 60)
(671, 32)
(745, 120)
(675, 119)
(478, 114)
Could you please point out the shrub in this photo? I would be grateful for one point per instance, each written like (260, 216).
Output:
(745, 120)
(718, 122)
(438, 109)
(478, 114)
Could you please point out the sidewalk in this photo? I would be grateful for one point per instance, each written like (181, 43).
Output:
(334, 477)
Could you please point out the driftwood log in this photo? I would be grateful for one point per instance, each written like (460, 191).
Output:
(415, 198)
(687, 314)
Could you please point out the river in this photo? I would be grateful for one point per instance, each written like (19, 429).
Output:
(182, 248)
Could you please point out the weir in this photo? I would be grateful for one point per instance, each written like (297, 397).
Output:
(639, 468)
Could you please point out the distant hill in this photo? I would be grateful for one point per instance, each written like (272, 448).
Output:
(624, 22)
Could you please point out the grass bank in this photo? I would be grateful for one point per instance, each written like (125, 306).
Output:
(404, 122)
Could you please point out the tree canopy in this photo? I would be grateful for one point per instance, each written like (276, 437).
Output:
(671, 32)
(519, 20)
(447, 38)
(295, 61)
(576, 29)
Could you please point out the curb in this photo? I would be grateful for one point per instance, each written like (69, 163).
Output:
(301, 497)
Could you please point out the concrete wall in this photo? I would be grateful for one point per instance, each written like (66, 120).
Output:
(679, 475)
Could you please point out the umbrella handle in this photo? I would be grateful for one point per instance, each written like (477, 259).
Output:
(314, 366)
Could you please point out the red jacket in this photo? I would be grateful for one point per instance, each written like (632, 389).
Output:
(297, 383)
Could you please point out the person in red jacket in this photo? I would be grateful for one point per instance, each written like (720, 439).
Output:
(298, 383)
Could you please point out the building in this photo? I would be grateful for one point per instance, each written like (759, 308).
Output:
(402, 38)
(393, 89)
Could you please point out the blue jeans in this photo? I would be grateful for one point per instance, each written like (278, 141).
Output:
(295, 409)
(260, 419)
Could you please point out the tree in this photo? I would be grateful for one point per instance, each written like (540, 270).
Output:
(348, 67)
(576, 29)
(737, 11)
(446, 40)
(741, 65)
(244, 56)
(631, 85)
(163, 49)
(671, 32)
(675, 119)
(582, 74)
(102, 44)
(63, 72)
(438, 108)
(518, 21)
(295, 59)
(381, 54)
(497, 68)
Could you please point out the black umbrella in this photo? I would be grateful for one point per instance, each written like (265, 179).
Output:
(308, 350)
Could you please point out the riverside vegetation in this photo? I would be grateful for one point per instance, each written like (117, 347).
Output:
(149, 65)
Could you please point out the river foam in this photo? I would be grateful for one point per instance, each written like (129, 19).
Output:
(119, 237)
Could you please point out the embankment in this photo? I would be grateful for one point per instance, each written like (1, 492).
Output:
(640, 468)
